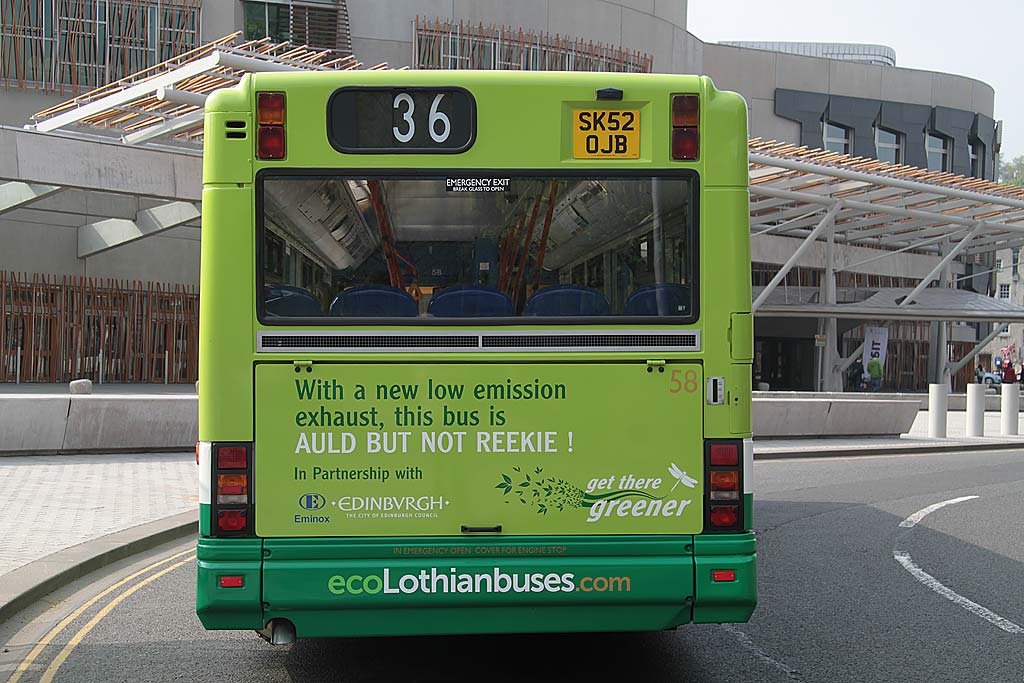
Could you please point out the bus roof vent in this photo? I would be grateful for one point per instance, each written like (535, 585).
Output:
(594, 341)
(347, 341)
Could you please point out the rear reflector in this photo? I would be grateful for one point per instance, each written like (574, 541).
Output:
(231, 458)
(231, 520)
(725, 455)
(724, 515)
(716, 575)
(239, 581)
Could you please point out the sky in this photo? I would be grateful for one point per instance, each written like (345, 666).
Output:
(980, 39)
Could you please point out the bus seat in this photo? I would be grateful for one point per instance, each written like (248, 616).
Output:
(674, 300)
(290, 302)
(470, 301)
(374, 301)
(560, 300)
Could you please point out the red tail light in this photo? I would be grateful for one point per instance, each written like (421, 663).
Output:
(685, 121)
(719, 575)
(232, 582)
(724, 515)
(231, 495)
(684, 144)
(270, 115)
(725, 455)
(270, 142)
(232, 520)
(232, 458)
(722, 496)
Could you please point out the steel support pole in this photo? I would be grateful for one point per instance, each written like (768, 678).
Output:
(826, 223)
(942, 265)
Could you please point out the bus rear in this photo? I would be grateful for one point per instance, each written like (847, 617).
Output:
(475, 354)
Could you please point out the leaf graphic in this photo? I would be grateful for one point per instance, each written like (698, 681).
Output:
(515, 469)
(538, 471)
(500, 486)
(507, 479)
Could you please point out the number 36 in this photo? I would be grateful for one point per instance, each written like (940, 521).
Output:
(405, 106)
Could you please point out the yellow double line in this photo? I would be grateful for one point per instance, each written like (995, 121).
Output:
(76, 639)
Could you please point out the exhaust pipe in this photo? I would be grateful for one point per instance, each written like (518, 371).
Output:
(278, 632)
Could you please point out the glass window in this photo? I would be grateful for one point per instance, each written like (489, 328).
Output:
(263, 19)
(976, 151)
(835, 138)
(937, 147)
(1004, 291)
(502, 246)
(888, 146)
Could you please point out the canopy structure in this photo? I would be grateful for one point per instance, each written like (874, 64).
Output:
(819, 196)
(166, 101)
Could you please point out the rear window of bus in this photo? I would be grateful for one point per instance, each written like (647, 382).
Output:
(440, 247)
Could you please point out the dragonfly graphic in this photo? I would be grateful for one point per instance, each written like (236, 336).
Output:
(681, 477)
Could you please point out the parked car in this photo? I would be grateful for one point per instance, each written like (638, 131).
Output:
(992, 378)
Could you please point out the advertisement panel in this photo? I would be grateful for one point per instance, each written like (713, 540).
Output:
(405, 449)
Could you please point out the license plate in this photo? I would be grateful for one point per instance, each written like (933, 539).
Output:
(606, 134)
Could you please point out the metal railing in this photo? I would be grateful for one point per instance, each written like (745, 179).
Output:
(446, 44)
(76, 45)
(56, 328)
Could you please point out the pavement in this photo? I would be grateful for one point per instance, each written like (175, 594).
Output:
(98, 508)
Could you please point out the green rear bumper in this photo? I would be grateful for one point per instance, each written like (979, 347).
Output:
(376, 587)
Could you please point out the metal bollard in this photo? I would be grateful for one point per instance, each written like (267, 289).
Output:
(975, 410)
(938, 402)
(1009, 409)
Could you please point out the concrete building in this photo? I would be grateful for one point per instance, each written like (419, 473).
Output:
(848, 99)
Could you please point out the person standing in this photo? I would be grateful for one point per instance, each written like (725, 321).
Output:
(1009, 376)
(855, 375)
(875, 371)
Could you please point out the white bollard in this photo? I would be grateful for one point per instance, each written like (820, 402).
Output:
(975, 410)
(938, 401)
(1008, 410)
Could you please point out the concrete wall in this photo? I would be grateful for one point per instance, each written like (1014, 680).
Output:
(819, 417)
(776, 249)
(54, 423)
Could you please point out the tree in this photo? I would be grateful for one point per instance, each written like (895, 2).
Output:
(1012, 172)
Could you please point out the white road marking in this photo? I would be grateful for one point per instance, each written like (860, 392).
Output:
(903, 557)
(758, 653)
(920, 514)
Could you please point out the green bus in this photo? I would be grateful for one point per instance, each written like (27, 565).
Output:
(475, 354)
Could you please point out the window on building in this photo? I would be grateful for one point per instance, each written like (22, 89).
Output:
(888, 145)
(266, 19)
(1004, 291)
(976, 150)
(835, 138)
(938, 149)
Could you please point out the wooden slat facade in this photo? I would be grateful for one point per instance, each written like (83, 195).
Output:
(57, 328)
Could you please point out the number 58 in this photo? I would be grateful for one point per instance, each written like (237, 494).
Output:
(687, 383)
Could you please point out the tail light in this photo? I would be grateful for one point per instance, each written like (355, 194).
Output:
(725, 485)
(685, 119)
(232, 582)
(720, 575)
(232, 502)
(270, 115)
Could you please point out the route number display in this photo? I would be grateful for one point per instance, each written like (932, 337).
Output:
(401, 120)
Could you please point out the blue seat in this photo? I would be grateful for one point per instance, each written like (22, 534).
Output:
(666, 299)
(290, 302)
(470, 301)
(374, 301)
(567, 300)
